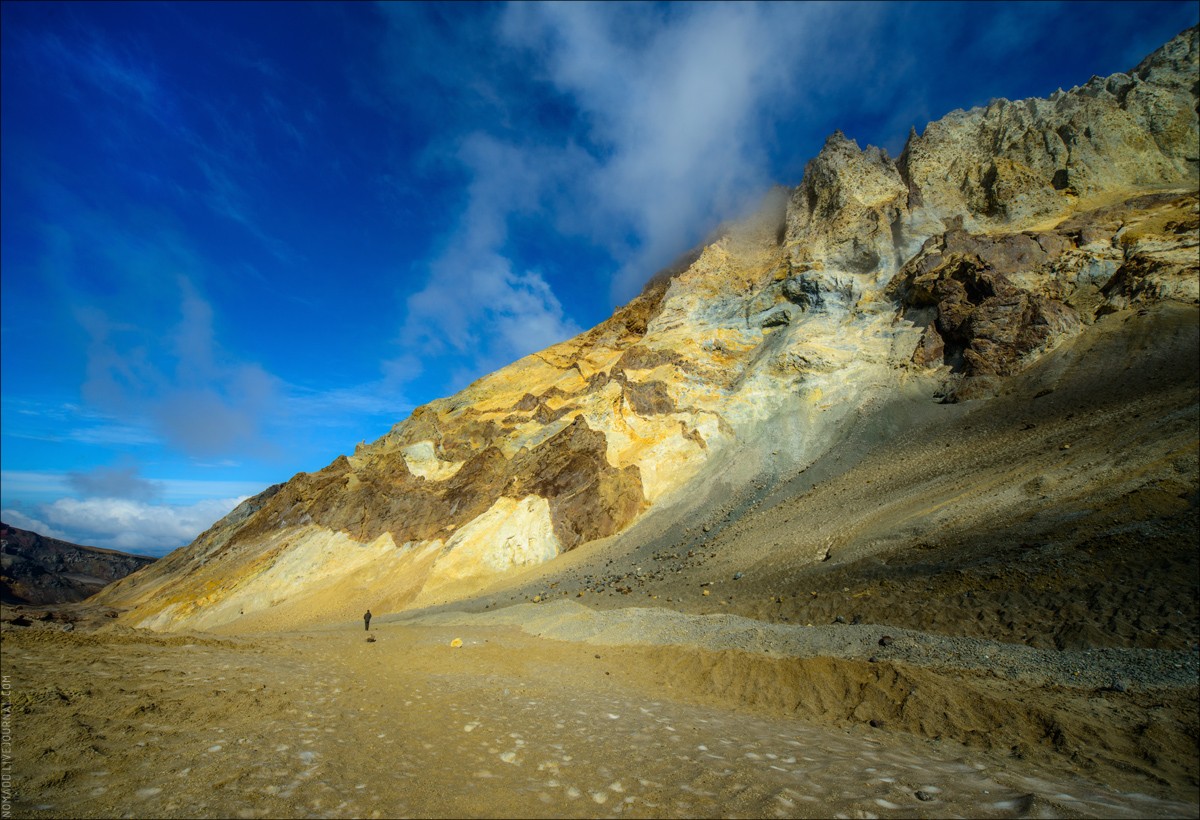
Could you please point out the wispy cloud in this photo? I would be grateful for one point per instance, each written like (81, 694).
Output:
(342, 406)
(154, 369)
(193, 491)
(67, 422)
(34, 483)
(201, 401)
(171, 126)
(114, 435)
(88, 64)
(171, 491)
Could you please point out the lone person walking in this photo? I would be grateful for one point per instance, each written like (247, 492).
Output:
(367, 620)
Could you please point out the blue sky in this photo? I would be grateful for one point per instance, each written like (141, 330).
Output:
(236, 239)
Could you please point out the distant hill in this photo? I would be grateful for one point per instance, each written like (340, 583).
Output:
(39, 570)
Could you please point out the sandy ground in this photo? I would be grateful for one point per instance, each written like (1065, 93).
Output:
(982, 609)
(329, 724)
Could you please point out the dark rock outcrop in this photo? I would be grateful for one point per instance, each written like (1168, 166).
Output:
(40, 570)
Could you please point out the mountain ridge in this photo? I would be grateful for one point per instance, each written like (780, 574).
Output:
(997, 236)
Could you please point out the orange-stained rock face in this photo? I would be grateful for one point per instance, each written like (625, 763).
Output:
(976, 252)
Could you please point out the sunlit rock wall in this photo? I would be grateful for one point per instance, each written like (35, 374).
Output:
(997, 233)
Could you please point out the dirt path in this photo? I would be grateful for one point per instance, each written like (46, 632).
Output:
(327, 724)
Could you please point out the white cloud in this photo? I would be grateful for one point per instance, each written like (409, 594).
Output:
(130, 525)
(475, 303)
(18, 519)
(118, 509)
(486, 312)
(677, 103)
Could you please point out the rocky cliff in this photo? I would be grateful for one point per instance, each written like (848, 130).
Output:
(40, 570)
(996, 236)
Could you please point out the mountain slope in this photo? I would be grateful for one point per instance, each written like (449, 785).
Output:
(1003, 240)
(40, 570)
